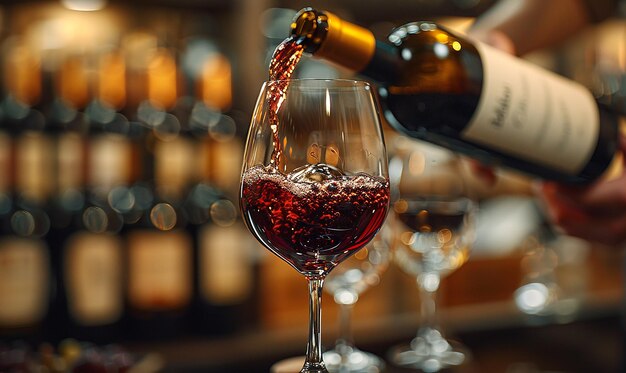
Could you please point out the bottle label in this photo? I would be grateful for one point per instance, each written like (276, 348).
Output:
(24, 276)
(174, 165)
(226, 158)
(534, 114)
(160, 270)
(94, 278)
(225, 259)
(109, 161)
(34, 165)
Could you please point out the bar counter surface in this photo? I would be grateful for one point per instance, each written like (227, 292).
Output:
(500, 340)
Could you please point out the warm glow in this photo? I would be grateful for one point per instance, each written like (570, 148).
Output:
(112, 80)
(217, 82)
(73, 82)
(21, 66)
(76, 32)
(84, 5)
(140, 49)
(442, 38)
(400, 206)
(162, 79)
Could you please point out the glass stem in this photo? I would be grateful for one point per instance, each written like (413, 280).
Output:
(314, 362)
(344, 344)
(428, 286)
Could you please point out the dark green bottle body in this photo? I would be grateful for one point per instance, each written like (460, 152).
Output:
(443, 88)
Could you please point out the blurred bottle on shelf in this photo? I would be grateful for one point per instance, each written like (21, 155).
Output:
(225, 265)
(93, 154)
(160, 266)
(224, 149)
(25, 286)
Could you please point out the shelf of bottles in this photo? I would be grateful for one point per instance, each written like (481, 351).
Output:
(119, 164)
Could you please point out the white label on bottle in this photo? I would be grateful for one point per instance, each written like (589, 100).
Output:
(534, 114)
(34, 165)
(24, 276)
(110, 161)
(226, 272)
(94, 278)
(174, 165)
(226, 160)
(160, 270)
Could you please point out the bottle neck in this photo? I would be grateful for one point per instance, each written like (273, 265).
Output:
(327, 36)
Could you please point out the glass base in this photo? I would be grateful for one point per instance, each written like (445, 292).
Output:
(295, 365)
(429, 352)
(354, 361)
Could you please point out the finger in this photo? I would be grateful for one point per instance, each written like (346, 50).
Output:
(500, 40)
(608, 231)
(495, 38)
(608, 196)
(560, 209)
(483, 172)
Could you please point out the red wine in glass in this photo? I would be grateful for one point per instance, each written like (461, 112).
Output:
(315, 216)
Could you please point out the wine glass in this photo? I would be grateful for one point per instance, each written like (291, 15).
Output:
(314, 185)
(345, 283)
(433, 223)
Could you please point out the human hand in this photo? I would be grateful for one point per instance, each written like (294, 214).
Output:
(596, 212)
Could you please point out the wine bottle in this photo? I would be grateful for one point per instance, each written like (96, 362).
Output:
(92, 253)
(160, 248)
(448, 89)
(25, 255)
(25, 251)
(25, 275)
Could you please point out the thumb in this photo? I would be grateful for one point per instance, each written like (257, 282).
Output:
(494, 38)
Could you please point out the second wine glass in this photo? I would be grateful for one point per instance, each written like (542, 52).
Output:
(315, 186)
(434, 221)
